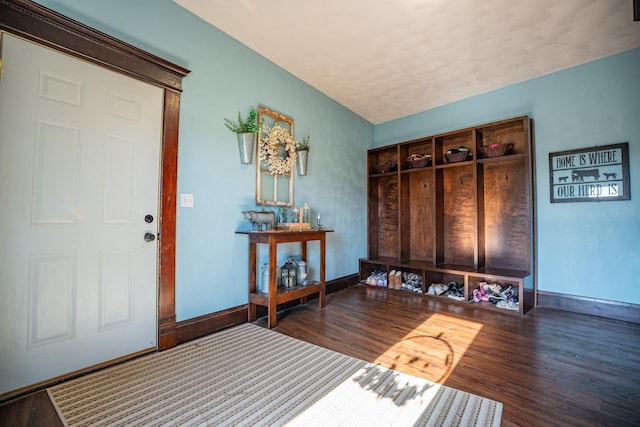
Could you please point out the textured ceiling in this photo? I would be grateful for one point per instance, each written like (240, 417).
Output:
(387, 59)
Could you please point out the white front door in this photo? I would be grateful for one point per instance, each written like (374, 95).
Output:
(79, 163)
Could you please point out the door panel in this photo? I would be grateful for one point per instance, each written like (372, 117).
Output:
(79, 162)
(55, 176)
(52, 290)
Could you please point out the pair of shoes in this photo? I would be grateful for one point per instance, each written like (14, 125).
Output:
(437, 289)
(496, 289)
(377, 278)
(412, 282)
(395, 279)
(481, 294)
(391, 283)
(495, 300)
(493, 288)
(455, 292)
(509, 305)
(484, 294)
(505, 288)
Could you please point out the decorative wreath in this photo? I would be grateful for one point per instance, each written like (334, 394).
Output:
(271, 147)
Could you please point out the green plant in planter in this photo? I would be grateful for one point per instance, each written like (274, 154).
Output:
(249, 126)
(305, 145)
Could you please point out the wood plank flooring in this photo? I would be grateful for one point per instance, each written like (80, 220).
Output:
(549, 368)
(33, 410)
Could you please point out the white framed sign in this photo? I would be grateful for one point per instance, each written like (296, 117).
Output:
(594, 174)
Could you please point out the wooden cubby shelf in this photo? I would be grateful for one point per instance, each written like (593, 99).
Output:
(469, 222)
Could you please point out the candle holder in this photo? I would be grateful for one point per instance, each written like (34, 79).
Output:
(318, 223)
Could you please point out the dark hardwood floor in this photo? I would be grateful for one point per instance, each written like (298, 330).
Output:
(33, 410)
(549, 368)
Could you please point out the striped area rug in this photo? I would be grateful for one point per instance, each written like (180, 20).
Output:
(251, 376)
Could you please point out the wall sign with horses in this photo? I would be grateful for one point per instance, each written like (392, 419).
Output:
(594, 174)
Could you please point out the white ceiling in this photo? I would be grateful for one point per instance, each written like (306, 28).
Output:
(387, 59)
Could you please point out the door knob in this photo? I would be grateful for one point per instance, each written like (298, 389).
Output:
(149, 237)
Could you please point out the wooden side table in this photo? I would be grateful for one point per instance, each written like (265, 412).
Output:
(282, 295)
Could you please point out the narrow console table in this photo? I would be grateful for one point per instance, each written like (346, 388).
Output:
(279, 295)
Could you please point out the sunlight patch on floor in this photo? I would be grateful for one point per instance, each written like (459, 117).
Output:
(371, 396)
(433, 349)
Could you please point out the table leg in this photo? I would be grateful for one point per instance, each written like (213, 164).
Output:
(272, 308)
(323, 288)
(252, 280)
(303, 257)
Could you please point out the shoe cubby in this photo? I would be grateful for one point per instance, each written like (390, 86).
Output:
(514, 300)
(367, 268)
(433, 278)
(465, 218)
(410, 279)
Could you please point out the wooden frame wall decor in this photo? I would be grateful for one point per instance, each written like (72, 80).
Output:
(595, 174)
(271, 189)
(44, 26)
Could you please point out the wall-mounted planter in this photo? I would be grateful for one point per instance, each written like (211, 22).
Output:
(301, 162)
(246, 142)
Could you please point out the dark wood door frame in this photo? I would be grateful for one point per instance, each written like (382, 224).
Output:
(44, 26)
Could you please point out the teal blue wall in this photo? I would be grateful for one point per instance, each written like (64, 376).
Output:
(226, 76)
(586, 249)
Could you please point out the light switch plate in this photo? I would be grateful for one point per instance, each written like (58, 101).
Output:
(186, 200)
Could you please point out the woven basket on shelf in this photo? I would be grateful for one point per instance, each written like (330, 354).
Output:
(385, 167)
(419, 161)
(496, 150)
(460, 156)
